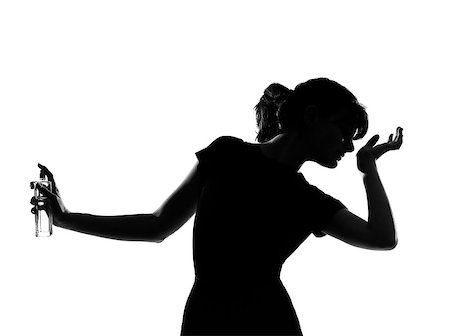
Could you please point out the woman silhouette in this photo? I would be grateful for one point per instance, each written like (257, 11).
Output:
(253, 208)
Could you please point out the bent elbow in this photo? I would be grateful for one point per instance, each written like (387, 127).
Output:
(153, 230)
(388, 245)
(153, 238)
(385, 242)
(160, 240)
(394, 244)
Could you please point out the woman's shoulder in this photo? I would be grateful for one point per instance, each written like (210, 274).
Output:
(226, 143)
(230, 148)
(227, 140)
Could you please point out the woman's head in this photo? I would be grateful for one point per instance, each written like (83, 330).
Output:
(281, 110)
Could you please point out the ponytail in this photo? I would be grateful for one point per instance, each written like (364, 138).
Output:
(267, 111)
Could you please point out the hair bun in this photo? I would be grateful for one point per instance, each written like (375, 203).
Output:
(276, 93)
(267, 110)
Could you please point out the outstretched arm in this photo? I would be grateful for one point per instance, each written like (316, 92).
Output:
(174, 212)
(140, 227)
(379, 231)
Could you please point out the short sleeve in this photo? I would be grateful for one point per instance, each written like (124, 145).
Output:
(218, 153)
(325, 207)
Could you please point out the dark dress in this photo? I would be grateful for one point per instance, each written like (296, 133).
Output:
(252, 214)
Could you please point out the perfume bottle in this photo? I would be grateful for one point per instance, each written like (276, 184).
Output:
(43, 222)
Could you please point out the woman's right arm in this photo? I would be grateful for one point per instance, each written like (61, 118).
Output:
(168, 218)
(141, 227)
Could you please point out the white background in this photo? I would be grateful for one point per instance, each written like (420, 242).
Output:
(115, 97)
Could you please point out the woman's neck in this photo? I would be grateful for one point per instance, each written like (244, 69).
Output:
(287, 149)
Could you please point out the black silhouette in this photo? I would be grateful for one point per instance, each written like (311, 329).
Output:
(253, 208)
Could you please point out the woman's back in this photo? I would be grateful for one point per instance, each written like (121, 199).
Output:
(252, 214)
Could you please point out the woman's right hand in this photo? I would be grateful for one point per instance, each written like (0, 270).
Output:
(53, 203)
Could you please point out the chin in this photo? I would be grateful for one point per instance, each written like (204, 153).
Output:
(328, 164)
(331, 165)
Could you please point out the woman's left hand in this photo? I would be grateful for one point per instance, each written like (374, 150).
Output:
(369, 153)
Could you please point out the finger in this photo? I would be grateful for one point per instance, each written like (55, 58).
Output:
(398, 138)
(386, 147)
(33, 210)
(46, 172)
(38, 201)
(43, 204)
(373, 140)
(390, 137)
(381, 149)
(40, 207)
(44, 191)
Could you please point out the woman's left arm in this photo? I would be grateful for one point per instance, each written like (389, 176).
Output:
(379, 231)
(381, 222)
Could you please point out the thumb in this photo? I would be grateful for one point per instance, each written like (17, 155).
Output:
(45, 191)
(373, 140)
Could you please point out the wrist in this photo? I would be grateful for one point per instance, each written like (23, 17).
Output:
(373, 171)
(63, 219)
(368, 168)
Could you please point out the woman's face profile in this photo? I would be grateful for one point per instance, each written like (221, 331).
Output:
(331, 138)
